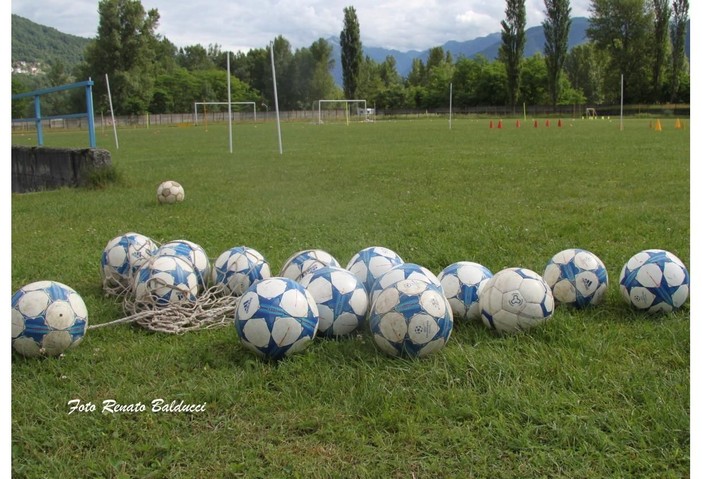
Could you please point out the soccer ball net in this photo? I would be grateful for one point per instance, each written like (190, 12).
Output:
(210, 309)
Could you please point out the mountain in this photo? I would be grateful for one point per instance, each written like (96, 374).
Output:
(487, 46)
(34, 45)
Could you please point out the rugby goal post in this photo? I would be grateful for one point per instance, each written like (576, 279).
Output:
(205, 103)
(361, 107)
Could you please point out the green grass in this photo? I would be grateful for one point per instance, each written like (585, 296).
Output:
(596, 393)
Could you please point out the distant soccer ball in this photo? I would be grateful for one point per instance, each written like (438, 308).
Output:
(170, 192)
(577, 278)
(462, 282)
(305, 262)
(194, 253)
(401, 272)
(370, 263)
(165, 281)
(514, 300)
(655, 281)
(276, 317)
(341, 299)
(48, 318)
(411, 318)
(121, 259)
(238, 268)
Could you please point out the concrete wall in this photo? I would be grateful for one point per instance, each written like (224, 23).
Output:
(39, 168)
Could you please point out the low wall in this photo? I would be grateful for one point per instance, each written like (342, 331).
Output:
(39, 168)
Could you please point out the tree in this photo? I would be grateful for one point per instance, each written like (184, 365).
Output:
(512, 47)
(661, 45)
(124, 49)
(556, 29)
(351, 52)
(584, 66)
(623, 29)
(678, 33)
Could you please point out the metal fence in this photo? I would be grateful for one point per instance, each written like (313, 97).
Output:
(339, 115)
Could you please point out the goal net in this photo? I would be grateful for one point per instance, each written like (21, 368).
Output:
(343, 109)
(215, 112)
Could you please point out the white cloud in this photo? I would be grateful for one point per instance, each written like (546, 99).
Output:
(399, 24)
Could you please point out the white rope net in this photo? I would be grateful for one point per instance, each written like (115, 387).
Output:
(212, 308)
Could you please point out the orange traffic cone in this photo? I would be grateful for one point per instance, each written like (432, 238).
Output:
(518, 124)
(536, 123)
(548, 123)
(499, 124)
(560, 124)
(490, 123)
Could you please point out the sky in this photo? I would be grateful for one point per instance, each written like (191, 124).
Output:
(244, 24)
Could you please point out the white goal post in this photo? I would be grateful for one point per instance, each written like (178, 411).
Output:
(361, 103)
(224, 103)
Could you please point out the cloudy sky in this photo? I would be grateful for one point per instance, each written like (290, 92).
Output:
(240, 25)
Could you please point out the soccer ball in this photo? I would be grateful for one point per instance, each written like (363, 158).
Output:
(400, 272)
(194, 253)
(276, 317)
(411, 318)
(655, 281)
(514, 300)
(341, 299)
(48, 318)
(462, 282)
(170, 192)
(121, 259)
(238, 268)
(577, 278)
(305, 262)
(165, 281)
(370, 263)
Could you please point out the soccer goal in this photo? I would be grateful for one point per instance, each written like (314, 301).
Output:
(205, 103)
(361, 109)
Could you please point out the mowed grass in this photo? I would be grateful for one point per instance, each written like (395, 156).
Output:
(595, 393)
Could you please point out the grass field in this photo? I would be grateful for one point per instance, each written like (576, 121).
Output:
(601, 393)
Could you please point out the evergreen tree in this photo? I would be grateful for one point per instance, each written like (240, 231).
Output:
(351, 52)
(124, 49)
(556, 29)
(661, 45)
(678, 32)
(512, 47)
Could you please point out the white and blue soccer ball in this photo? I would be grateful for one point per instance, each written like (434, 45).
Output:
(411, 318)
(341, 299)
(515, 300)
(121, 259)
(401, 272)
(48, 318)
(577, 278)
(276, 317)
(305, 262)
(194, 253)
(462, 282)
(655, 281)
(370, 263)
(170, 192)
(236, 269)
(166, 280)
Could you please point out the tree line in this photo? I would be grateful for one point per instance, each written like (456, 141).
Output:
(643, 40)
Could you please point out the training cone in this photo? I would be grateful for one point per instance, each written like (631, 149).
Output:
(518, 124)
(658, 126)
(548, 123)
(560, 124)
(536, 123)
(490, 123)
(499, 124)
(678, 124)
